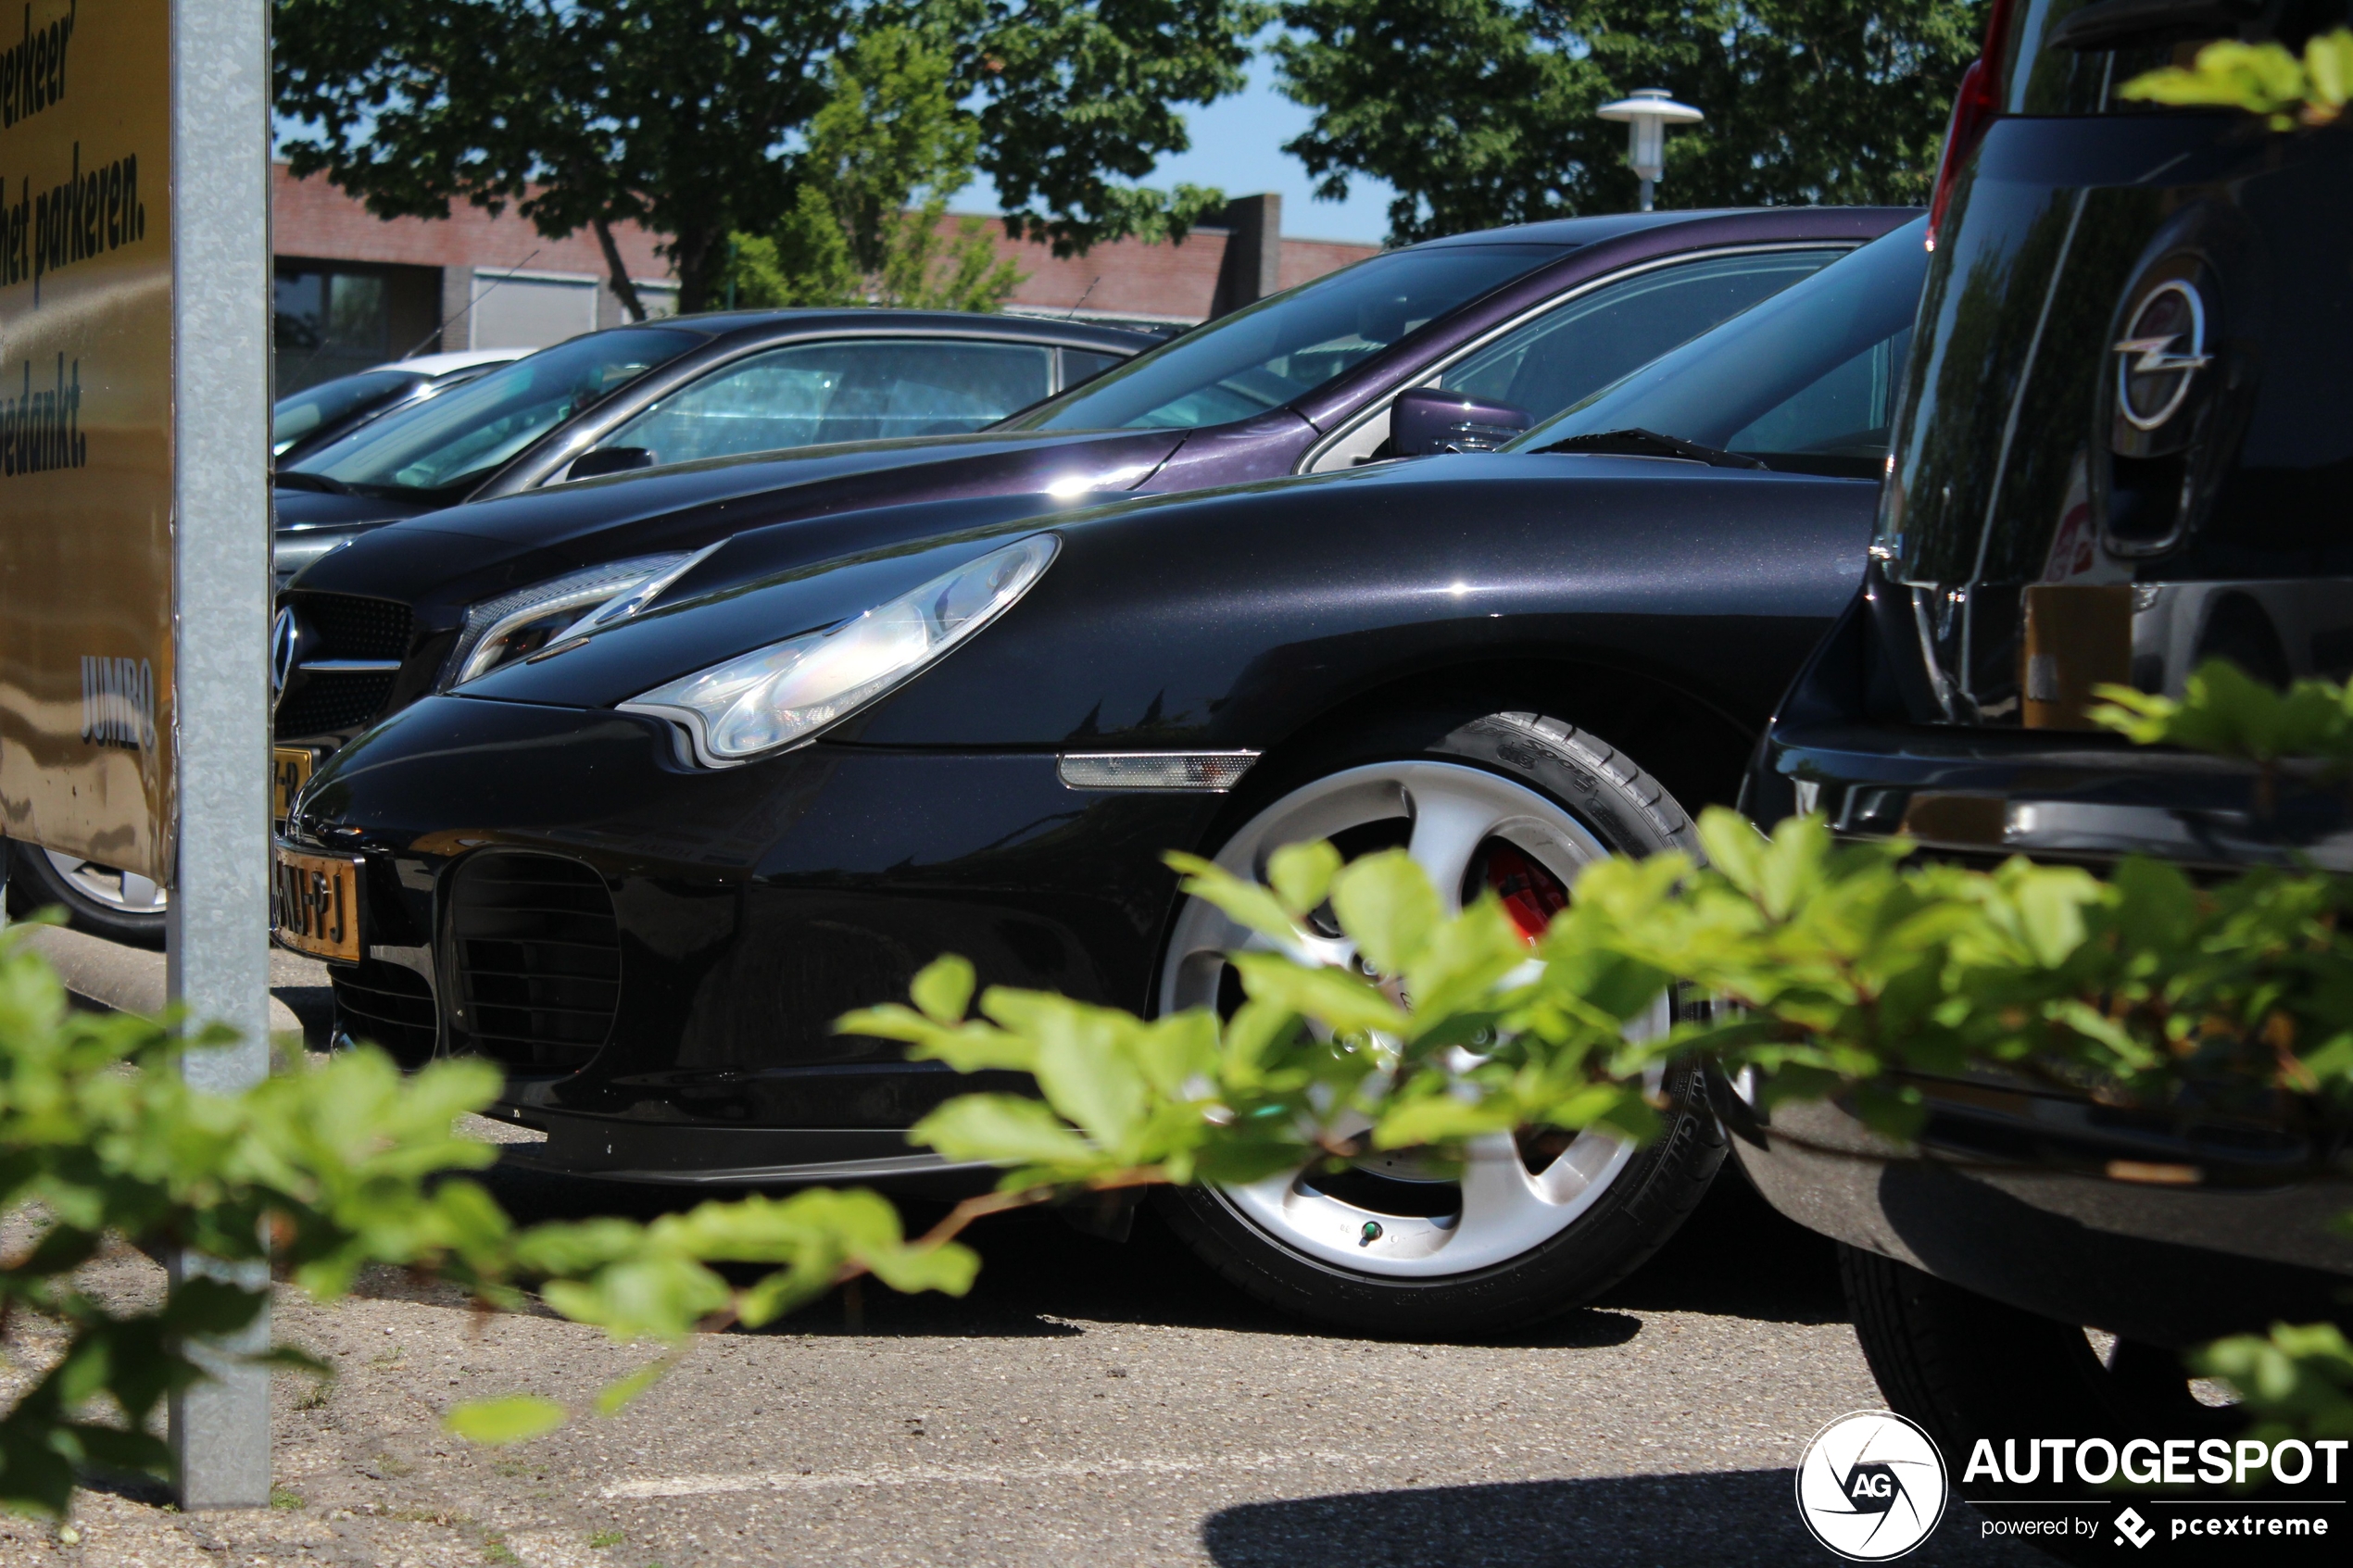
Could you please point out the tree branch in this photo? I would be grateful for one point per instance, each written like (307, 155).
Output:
(623, 288)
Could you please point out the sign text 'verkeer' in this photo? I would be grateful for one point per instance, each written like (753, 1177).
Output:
(32, 70)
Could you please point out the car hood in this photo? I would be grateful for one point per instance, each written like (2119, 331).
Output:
(1617, 516)
(456, 555)
(291, 509)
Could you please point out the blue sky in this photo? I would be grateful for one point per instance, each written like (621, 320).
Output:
(1237, 147)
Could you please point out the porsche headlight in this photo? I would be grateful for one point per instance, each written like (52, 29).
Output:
(776, 695)
(511, 626)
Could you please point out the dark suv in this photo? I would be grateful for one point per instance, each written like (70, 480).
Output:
(2125, 448)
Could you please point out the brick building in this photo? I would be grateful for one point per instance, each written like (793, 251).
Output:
(354, 290)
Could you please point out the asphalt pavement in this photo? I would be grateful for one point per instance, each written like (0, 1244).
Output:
(1090, 1405)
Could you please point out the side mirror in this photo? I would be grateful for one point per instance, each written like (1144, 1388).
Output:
(1425, 419)
(609, 460)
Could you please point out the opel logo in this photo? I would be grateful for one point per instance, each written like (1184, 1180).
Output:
(285, 646)
(2162, 349)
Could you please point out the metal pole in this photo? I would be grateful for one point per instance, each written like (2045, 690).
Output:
(1646, 194)
(216, 939)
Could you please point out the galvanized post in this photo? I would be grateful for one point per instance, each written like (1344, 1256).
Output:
(217, 935)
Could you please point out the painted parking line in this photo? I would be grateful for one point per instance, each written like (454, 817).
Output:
(958, 1475)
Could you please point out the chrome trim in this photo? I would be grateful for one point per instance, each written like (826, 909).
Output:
(348, 666)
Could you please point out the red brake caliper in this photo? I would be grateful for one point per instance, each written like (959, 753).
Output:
(1531, 895)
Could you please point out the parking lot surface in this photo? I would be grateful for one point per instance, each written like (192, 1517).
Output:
(1091, 1404)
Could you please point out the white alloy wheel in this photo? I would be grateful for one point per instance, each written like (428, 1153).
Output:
(110, 888)
(1390, 1216)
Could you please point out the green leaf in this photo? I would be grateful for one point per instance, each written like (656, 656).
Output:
(1245, 903)
(944, 989)
(651, 1296)
(511, 1418)
(946, 1267)
(1002, 1130)
(615, 1396)
(1097, 1087)
(1301, 874)
(1345, 1001)
(1176, 1052)
(1387, 905)
(1442, 1118)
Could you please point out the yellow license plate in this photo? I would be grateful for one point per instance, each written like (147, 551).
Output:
(318, 905)
(289, 771)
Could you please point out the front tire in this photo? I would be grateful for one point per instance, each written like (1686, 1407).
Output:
(100, 899)
(1539, 1225)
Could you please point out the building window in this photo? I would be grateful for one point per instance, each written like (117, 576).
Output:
(331, 318)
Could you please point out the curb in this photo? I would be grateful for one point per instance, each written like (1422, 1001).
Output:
(120, 979)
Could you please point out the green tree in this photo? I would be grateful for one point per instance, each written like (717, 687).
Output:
(886, 153)
(694, 116)
(1480, 112)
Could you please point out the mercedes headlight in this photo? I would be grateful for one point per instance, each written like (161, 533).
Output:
(785, 692)
(512, 626)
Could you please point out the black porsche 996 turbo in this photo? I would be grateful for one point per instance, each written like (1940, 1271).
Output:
(645, 869)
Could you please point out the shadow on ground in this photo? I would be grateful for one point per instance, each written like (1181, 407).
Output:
(1735, 1256)
(1747, 1516)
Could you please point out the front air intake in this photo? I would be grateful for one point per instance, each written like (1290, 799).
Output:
(387, 1004)
(538, 959)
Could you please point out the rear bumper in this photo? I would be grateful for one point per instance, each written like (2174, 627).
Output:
(2169, 1229)
(2045, 1231)
(1836, 747)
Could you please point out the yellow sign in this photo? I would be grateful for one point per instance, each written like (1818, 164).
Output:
(85, 430)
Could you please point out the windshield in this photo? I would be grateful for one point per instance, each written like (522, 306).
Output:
(1287, 345)
(463, 434)
(298, 414)
(1804, 382)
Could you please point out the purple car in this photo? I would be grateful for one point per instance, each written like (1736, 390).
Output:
(1451, 346)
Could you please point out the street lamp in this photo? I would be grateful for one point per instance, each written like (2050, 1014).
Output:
(1648, 114)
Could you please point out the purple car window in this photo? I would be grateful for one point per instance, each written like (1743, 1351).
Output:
(1287, 345)
(1805, 381)
(1582, 345)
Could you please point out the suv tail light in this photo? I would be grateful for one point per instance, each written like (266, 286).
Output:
(1974, 106)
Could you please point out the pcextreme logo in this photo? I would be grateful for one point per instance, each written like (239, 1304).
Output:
(2218, 1498)
(1871, 1486)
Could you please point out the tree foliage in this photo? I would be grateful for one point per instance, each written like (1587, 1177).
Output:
(1480, 112)
(694, 116)
(886, 155)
